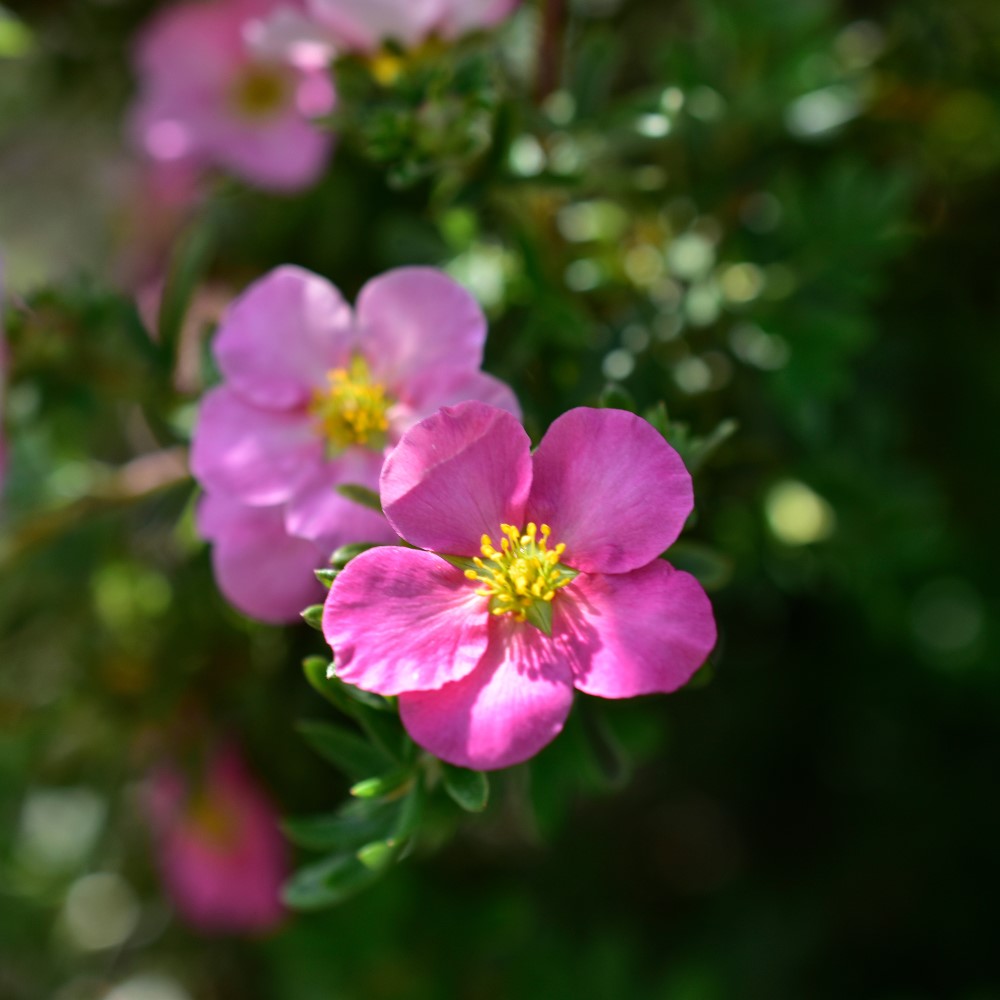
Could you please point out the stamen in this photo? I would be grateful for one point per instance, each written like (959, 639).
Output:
(353, 410)
(523, 574)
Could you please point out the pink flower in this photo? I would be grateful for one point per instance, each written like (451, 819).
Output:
(205, 97)
(221, 852)
(550, 580)
(364, 25)
(314, 395)
(333, 27)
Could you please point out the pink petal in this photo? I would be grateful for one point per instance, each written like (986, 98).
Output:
(281, 336)
(611, 488)
(319, 512)
(260, 569)
(469, 15)
(447, 387)
(365, 24)
(285, 152)
(417, 319)
(401, 620)
(642, 632)
(259, 457)
(505, 711)
(456, 476)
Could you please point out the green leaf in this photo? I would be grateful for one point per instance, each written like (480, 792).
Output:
(469, 789)
(313, 615)
(327, 882)
(379, 854)
(189, 262)
(342, 556)
(361, 495)
(605, 750)
(702, 448)
(382, 787)
(352, 826)
(355, 756)
(326, 576)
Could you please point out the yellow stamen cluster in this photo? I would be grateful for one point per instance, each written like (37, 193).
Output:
(352, 410)
(260, 91)
(522, 573)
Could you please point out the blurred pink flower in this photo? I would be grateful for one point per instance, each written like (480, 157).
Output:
(484, 647)
(220, 850)
(314, 395)
(328, 28)
(206, 97)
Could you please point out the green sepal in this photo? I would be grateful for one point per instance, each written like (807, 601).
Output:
(361, 495)
(353, 825)
(328, 882)
(313, 616)
(356, 757)
(540, 615)
(326, 576)
(468, 789)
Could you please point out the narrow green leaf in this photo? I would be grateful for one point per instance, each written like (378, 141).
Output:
(361, 495)
(469, 789)
(313, 615)
(328, 882)
(382, 787)
(342, 556)
(355, 756)
(352, 826)
(605, 750)
(189, 262)
(703, 448)
(379, 854)
(326, 576)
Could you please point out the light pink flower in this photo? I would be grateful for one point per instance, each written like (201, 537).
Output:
(314, 395)
(564, 541)
(333, 27)
(220, 850)
(207, 98)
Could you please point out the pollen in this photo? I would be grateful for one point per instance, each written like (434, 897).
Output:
(353, 409)
(523, 575)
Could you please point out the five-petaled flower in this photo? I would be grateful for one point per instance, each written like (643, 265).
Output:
(314, 395)
(532, 574)
(208, 98)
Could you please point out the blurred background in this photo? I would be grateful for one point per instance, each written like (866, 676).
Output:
(769, 216)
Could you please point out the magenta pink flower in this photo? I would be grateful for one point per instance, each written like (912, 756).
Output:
(540, 574)
(333, 27)
(205, 97)
(221, 852)
(314, 395)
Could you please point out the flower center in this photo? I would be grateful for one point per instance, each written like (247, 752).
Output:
(522, 576)
(259, 92)
(352, 410)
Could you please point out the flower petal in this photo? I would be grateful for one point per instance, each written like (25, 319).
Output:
(259, 457)
(319, 512)
(365, 24)
(401, 620)
(417, 319)
(505, 711)
(282, 335)
(611, 488)
(427, 394)
(456, 476)
(642, 632)
(260, 569)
